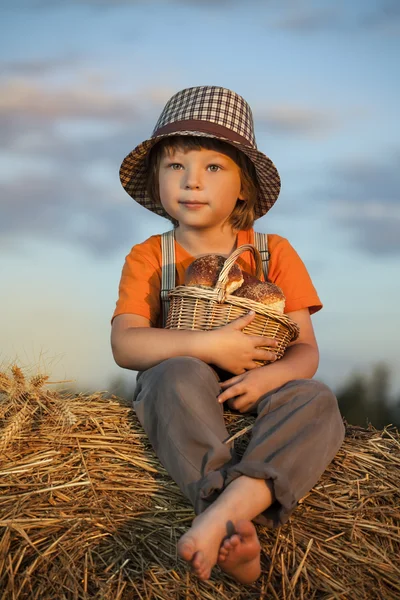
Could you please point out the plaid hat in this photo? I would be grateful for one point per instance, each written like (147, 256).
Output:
(204, 111)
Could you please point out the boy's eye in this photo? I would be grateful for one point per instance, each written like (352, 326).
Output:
(214, 168)
(175, 166)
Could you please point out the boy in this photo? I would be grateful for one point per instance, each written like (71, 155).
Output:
(202, 170)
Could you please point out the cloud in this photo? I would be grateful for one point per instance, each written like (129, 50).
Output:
(386, 15)
(28, 106)
(66, 208)
(367, 179)
(38, 68)
(64, 146)
(308, 16)
(315, 16)
(294, 120)
(60, 179)
(40, 119)
(23, 5)
(68, 190)
(307, 19)
(20, 97)
(376, 226)
(364, 197)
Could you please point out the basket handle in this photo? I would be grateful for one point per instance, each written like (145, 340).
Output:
(223, 276)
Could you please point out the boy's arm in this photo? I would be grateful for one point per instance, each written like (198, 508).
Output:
(301, 358)
(138, 346)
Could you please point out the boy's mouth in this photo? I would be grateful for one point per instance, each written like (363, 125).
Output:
(192, 204)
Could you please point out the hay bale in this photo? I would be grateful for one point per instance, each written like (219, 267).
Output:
(87, 511)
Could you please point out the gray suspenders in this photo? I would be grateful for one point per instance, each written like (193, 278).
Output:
(261, 243)
(168, 264)
(167, 270)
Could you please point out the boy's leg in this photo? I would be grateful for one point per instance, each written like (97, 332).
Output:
(298, 431)
(176, 402)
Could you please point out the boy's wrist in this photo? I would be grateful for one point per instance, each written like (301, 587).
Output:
(204, 347)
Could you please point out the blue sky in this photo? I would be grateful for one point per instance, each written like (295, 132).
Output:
(82, 83)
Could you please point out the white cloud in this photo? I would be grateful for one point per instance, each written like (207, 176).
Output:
(23, 97)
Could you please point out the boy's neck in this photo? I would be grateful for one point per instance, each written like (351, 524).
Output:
(198, 242)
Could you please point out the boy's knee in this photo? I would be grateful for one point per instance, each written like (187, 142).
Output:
(326, 406)
(314, 396)
(319, 393)
(316, 388)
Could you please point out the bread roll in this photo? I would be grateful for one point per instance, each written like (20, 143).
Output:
(264, 292)
(204, 272)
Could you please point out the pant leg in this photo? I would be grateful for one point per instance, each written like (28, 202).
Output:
(176, 403)
(297, 432)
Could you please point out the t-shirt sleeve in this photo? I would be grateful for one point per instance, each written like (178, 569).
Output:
(139, 287)
(288, 271)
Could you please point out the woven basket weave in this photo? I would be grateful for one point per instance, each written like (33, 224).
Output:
(203, 309)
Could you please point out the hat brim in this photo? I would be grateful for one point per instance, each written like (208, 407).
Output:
(133, 173)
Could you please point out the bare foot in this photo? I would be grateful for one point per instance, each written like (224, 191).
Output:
(200, 545)
(239, 554)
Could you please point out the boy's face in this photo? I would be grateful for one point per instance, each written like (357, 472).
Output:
(199, 188)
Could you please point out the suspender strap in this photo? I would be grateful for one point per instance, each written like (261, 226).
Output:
(167, 269)
(261, 243)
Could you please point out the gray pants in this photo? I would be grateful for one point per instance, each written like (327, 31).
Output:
(297, 432)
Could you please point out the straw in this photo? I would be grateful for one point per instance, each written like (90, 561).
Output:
(87, 511)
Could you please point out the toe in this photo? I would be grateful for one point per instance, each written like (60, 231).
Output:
(245, 529)
(186, 548)
(205, 574)
(227, 544)
(235, 540)
(198, 561)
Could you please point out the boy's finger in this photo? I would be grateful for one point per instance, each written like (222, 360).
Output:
(242, 321)
(231, 398)
(261, 341)
(262, 354)
(227, 395)
(229, 382)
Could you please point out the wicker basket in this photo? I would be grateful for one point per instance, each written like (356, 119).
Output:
(208, 308)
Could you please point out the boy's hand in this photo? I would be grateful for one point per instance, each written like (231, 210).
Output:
(243, 391)
(235, 351)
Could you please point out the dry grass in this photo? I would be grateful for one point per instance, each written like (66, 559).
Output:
(87, 511)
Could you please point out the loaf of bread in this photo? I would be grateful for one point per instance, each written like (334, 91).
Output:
(204, 272)
(264, 292)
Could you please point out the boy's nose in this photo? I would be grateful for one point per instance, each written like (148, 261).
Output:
(192, 180)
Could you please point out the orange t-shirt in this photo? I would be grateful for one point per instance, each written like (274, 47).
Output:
(140, 285)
